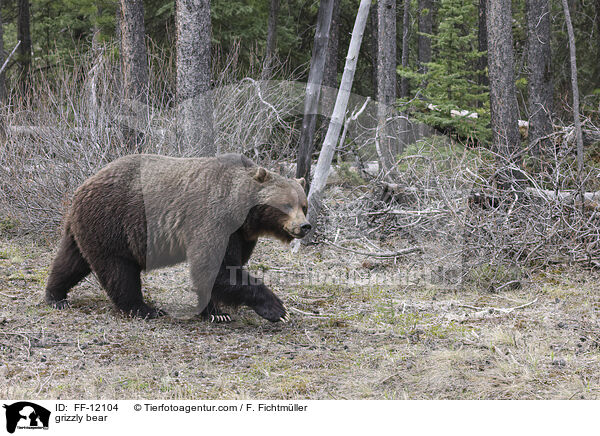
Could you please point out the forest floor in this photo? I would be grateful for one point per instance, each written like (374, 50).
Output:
(344, 341)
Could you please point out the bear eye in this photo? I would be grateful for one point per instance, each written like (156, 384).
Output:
(304, 210)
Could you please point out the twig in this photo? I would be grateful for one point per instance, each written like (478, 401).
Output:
(23, 336)
(498, 309)
(45, 383)
(378, 254)
(312, 315)
(9, 56)
(388, 378)
(404, 212)
(262, 100)
(14, 297)
(507, 284)
(354, 117)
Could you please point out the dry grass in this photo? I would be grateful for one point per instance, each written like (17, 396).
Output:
(350, 341)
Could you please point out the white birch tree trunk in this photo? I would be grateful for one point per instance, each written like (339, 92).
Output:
(337, 118)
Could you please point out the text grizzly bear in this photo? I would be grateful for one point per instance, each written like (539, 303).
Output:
(146, 211)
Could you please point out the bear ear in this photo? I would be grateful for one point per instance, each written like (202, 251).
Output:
(302, 182)
(261, 175)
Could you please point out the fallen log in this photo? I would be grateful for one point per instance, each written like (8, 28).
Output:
(591, 200)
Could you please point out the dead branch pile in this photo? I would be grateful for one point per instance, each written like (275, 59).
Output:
(76, 121)
(450, 200)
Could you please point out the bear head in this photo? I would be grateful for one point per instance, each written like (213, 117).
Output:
(281, 207)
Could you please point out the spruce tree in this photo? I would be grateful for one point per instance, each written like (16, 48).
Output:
(450, 81)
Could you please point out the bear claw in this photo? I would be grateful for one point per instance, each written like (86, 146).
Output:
(147, 313)
(222, 317)
(60, 304)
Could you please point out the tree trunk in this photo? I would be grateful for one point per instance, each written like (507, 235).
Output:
(330, 75)
(337, 118)
(118, 19)
(503, 99)
(330, 78)
(539, 84)
(482, 44)
(386, 53)
(597, 14)
(387, 137)
(403, 131)
(405, 40)
(425, 27)
(374, 45)
(134, 61)
(575, 89)
(313, 90)
(271, 38)
(24, 35)
(2, 74)
(194, 96)
(134, 72)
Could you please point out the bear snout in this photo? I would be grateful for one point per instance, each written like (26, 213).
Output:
(305, 227)
(301, 230)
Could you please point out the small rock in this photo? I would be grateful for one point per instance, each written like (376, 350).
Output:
(559, 362)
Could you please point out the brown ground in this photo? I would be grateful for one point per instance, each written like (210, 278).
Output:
(344, 341)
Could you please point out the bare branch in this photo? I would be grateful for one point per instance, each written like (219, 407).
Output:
(9, 56)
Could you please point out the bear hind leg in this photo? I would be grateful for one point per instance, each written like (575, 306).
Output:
(120, 278)
(68, 268)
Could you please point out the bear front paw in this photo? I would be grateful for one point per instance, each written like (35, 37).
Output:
(273, 310)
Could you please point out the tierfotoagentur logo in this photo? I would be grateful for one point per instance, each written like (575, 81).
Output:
(26, 415)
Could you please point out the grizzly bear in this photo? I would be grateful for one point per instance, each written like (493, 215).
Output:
(143, 212)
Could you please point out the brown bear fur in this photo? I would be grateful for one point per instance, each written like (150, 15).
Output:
(146, 211)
